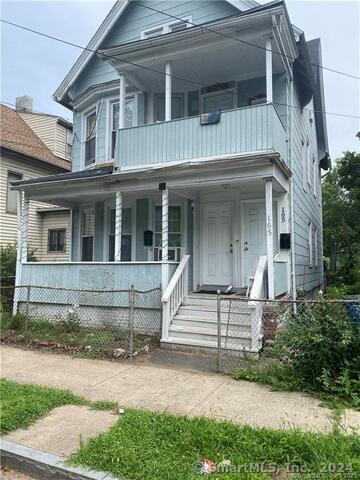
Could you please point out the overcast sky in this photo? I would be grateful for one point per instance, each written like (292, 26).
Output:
(35, 66)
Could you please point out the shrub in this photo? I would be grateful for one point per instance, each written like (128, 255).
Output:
(321, 346)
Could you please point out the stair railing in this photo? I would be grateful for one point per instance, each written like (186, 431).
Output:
(175, 293)
(257, 292)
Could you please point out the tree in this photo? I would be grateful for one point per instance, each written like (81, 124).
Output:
(341, 211)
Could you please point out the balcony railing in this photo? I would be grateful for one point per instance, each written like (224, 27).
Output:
(245, 130)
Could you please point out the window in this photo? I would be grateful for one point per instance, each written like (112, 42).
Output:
(126, 228)
(171, 27)
(56, 240)
(11, 197)
(315, 247)
(174, 233)
(177, 107)
(315, 177)
(90, 142)
(304, 160)
(130, 118)
(69, 143)
(308, 162)
(310, 241)
(87, 234)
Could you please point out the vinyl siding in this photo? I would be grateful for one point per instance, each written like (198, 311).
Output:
(51, 221)
(8, 221)
(49, 131)
(137, 18)
(307, 207)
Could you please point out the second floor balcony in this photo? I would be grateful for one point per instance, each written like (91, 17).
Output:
(247, 131)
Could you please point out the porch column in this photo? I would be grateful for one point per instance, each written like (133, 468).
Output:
(24, 229)
(18, 253)
(164, 238)
(269, 238)
(118, 226)
(269, 71)
(168, 91)
(122, 101)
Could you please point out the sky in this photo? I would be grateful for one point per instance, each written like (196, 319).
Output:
(35, 66)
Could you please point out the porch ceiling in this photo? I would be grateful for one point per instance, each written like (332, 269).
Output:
(185, 179)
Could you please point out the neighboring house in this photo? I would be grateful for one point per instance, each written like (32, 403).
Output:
(25, 156)
(196, 158)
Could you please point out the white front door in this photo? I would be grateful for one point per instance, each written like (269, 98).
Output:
(217, 244)
(254, 236)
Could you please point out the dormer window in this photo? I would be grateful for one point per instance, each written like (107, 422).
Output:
(90, 142)
(172, 27)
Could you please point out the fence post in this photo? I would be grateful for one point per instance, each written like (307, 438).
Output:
(218, 305)
(27, 308)
(132, 295)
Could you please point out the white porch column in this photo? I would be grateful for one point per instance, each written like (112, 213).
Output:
(18, 253)
(168, 91)
(118, 226)
(164, 238)
(269, 71)
(269, 238)
(122, 101)
(24, 229)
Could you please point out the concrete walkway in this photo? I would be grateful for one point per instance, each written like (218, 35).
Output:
(141, 383)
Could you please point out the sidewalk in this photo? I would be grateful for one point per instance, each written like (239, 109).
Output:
(141, 383)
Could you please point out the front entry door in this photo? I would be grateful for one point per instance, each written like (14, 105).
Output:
(216, 244)
(254, 236)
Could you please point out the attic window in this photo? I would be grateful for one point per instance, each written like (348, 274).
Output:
(170, 27)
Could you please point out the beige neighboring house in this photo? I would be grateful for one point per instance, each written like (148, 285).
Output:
(34, 145)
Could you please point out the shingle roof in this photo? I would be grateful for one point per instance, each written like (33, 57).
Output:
(15, 134)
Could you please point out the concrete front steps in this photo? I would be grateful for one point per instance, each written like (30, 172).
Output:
(194, 327)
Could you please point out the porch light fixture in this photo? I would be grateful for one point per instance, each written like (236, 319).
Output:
(226, 186)
(162, 186)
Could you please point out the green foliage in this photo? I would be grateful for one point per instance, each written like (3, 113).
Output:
(317, 351)
(341, 207)
(22, 405)
(72, 322)
(157, 446)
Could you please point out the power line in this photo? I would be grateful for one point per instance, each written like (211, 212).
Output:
(154, 70)
(204, 27)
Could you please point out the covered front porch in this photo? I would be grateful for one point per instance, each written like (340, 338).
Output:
(134, 228)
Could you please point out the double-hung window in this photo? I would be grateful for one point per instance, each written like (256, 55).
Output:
(308, 162)
(11, 196)
(315, 177)
(304, 149)
(316, 260)
(310, 245)
(130, 118)
(126, 235)
(90, 141)
(56, 240)
(174, 248)
(87, 234)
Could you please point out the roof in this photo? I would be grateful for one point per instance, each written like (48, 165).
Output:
(17, 136)
(100, 35)
(91, 172)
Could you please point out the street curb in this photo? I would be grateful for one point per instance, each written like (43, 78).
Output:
(44, 466)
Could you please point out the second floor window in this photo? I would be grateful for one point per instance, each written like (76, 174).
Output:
(11, 197)
(130, 118)
(90, 142)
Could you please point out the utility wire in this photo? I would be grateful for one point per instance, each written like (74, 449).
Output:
(204, 27)
(154, 70)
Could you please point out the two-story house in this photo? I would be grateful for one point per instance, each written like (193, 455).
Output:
(25, 155)
(199, 139)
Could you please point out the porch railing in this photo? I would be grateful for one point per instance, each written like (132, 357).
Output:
(258, 291)
(175, 293)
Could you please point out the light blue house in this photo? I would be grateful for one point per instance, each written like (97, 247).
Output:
(199, 139)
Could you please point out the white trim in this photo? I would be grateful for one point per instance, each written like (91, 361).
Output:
(315, 179)
(81, 211)
(168, 92)
(171, 262)
(84, 116)
(269, 229)
(310, 244)
(269, 71)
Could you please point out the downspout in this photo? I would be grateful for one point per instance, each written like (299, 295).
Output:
(293, 266)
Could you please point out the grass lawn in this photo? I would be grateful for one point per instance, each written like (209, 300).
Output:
(154, 446)
(150, 446)
(22, 405)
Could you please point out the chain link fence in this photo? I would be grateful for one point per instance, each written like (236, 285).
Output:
(248, 327)
(93, 323)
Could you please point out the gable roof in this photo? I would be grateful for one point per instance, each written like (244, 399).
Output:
(19, 138)
(100, 35)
